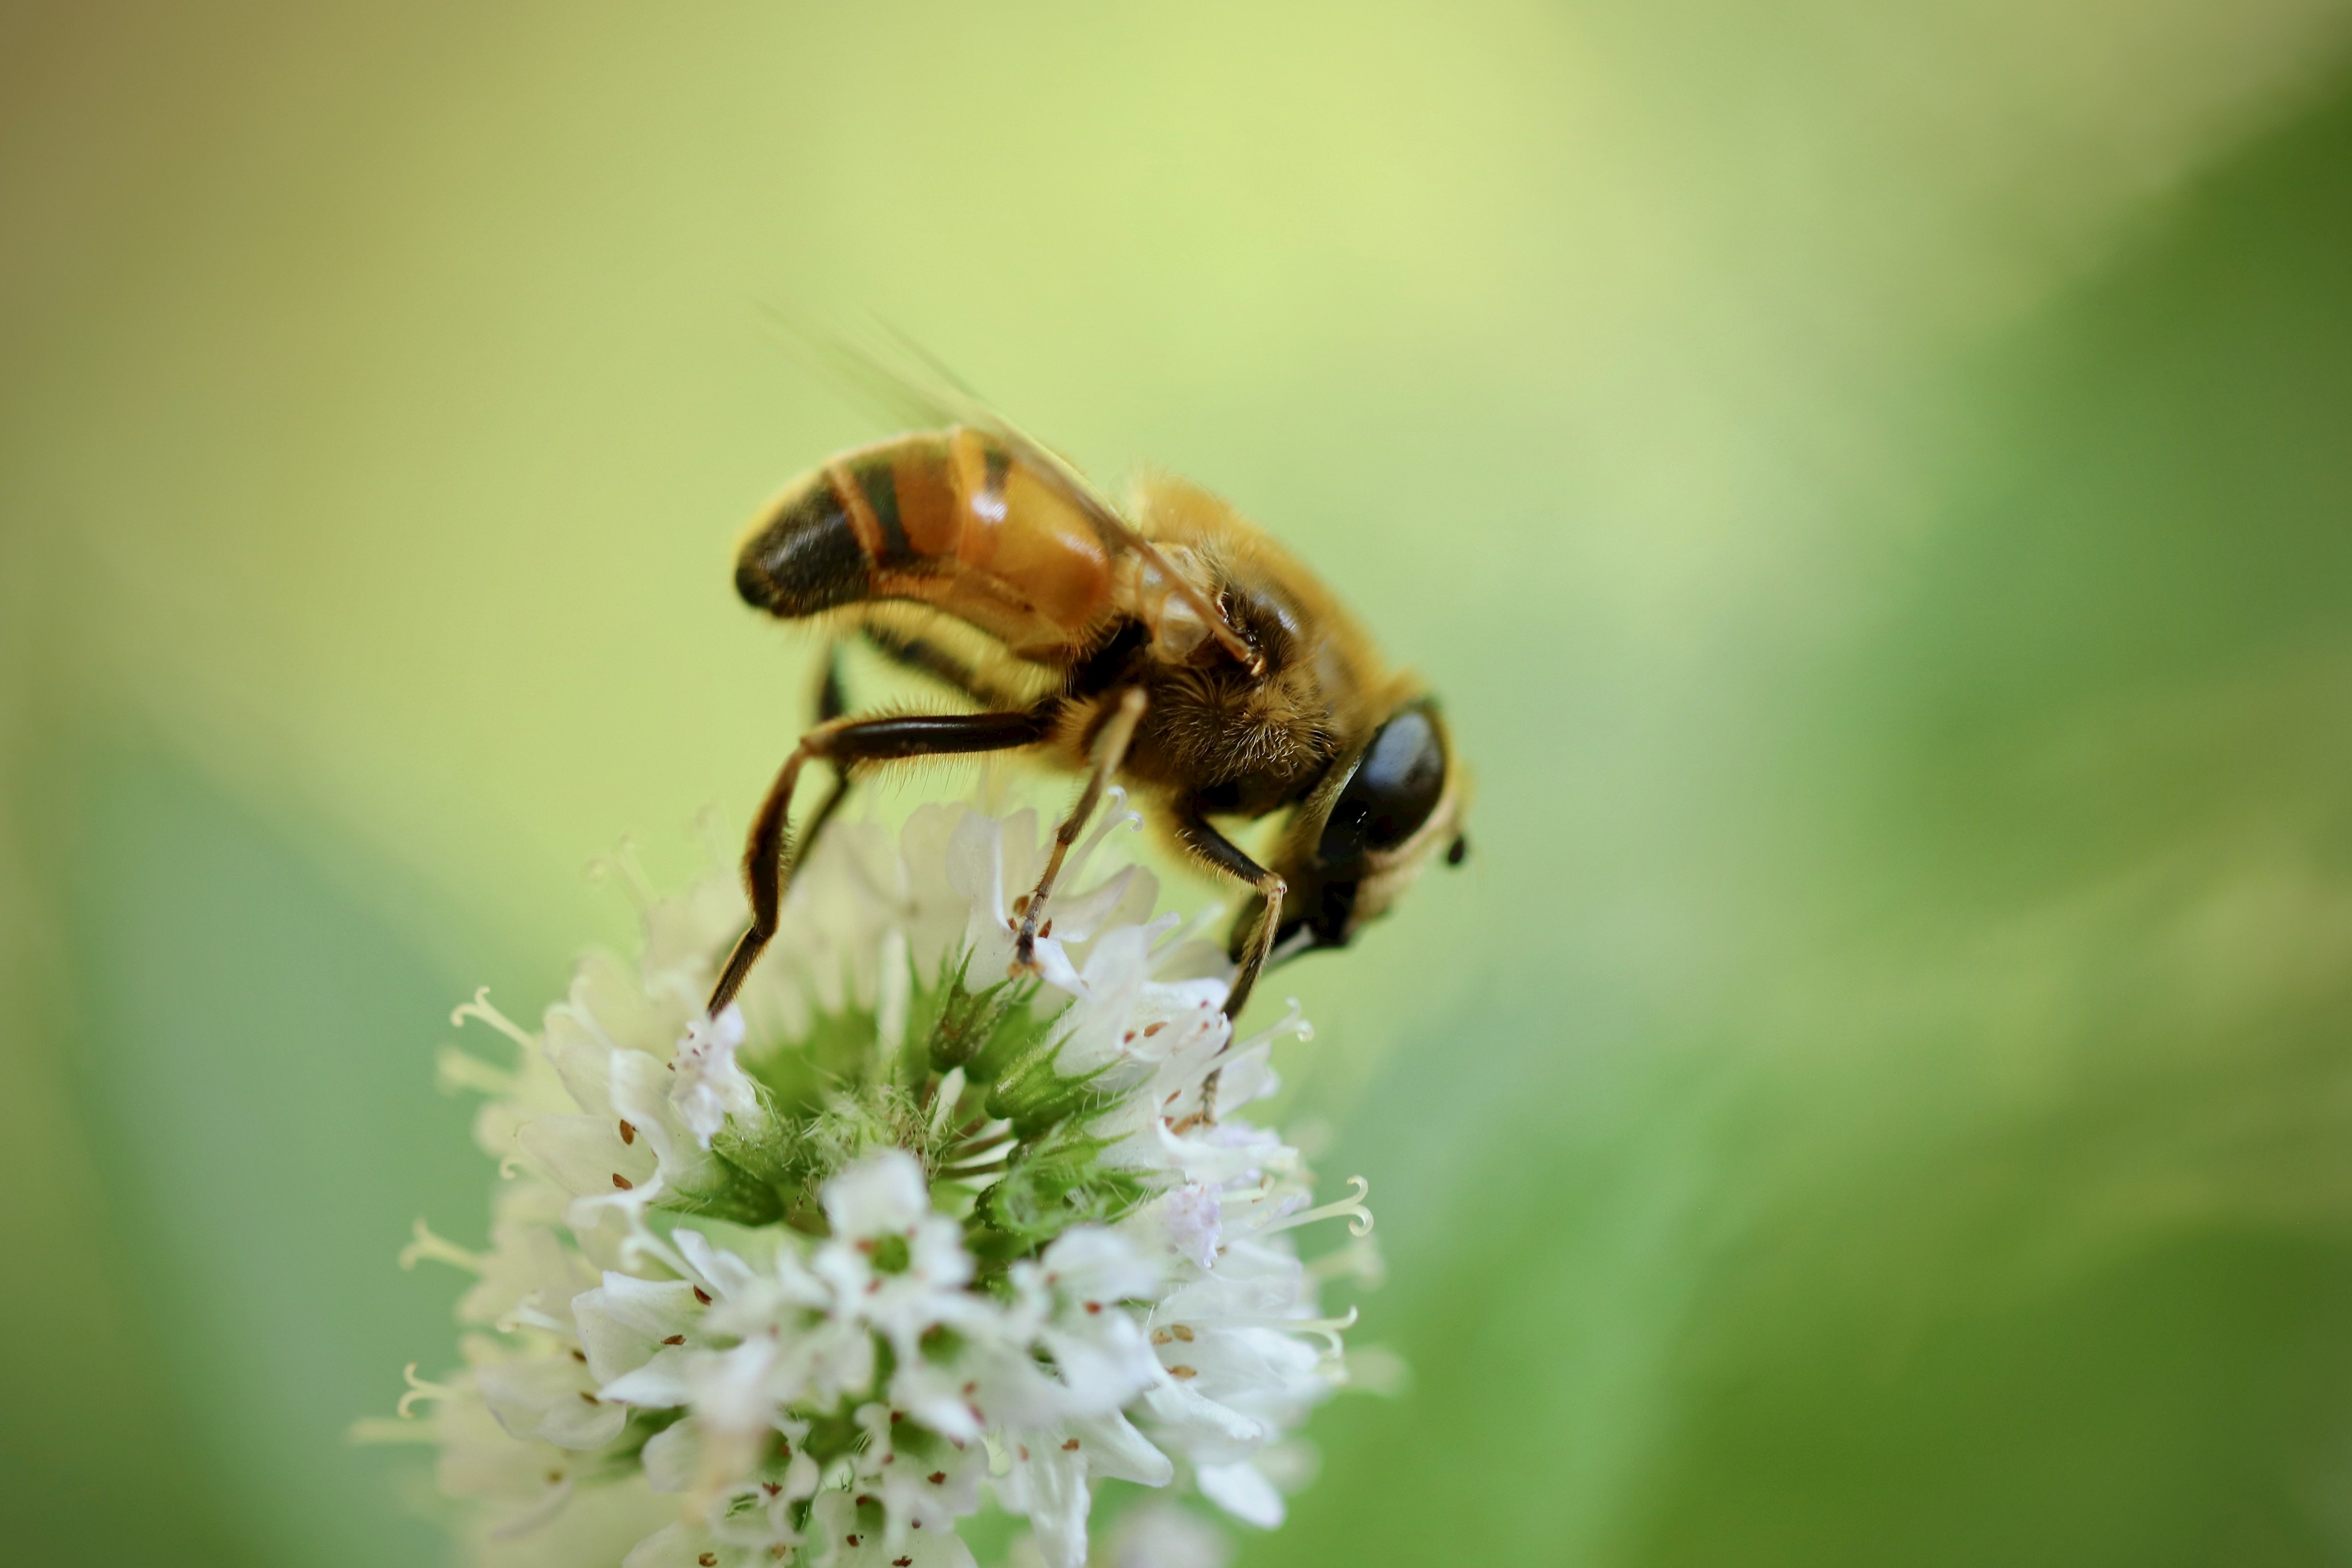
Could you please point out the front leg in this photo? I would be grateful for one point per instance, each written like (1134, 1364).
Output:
(1110, 750)
(1220, 853)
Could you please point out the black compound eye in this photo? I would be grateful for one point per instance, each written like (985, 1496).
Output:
(1394, 789)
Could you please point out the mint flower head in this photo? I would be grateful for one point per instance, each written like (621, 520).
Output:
(893, 1239)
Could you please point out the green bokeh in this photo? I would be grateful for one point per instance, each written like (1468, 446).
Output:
(1872, 484)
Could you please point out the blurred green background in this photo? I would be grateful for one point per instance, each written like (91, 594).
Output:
(1873, 484)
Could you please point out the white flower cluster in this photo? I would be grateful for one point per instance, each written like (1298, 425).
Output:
(893, 1237)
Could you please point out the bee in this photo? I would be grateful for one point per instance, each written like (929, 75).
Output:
(1174, 647)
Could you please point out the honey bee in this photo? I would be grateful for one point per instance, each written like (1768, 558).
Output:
(1174, 647)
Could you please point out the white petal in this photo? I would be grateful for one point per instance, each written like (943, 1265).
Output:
(1114, 1448)
(879, 1195)
(1090, 1263)
(706, 1084)
(641, 1093)
(722, 1270)
(661, 1383)
(1193, 1215)
(687, 1546)
(1241, 1491)
(1048, 1485)
(1194, 1421)
(1248, 1077)
(623, 1321)
(581, 1425)
(583, 1154)
(672, 1456)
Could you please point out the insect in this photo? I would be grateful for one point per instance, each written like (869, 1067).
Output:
(1174, 647)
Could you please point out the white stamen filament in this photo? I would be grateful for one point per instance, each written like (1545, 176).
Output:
(1292, 1021)
(479, 1007)
(532, 1317)
(440, 1250)
(622, 864)
(1361, 1263)
(1329, 1328)
(1360, 1218)
(419, 1388)
(864, 1236)
(454, 1069)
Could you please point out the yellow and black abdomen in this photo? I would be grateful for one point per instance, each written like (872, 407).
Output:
(946, 519)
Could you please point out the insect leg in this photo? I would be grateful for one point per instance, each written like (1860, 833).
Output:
(1110, 750)
(1219, 853)
(832, 695)
(845, 743)
(831, 703)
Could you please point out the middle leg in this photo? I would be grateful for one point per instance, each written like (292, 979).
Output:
(1110, 751)
(1220, 853)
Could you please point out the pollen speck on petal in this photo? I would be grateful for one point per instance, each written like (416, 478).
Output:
(840, 1277)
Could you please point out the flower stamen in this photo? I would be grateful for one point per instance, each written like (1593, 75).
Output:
(420, 1388)
(479, 1007)
(1360, 1218)
(440, 1250)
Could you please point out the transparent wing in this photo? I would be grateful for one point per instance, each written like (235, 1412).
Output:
(904, 382)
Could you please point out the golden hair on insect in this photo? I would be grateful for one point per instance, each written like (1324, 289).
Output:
(1174, 647)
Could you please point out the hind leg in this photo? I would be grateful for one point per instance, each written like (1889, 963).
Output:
(768, 860)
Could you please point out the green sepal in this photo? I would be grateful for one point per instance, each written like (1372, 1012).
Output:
(1034, 1093)
(981, 1031)
(1057, 1181)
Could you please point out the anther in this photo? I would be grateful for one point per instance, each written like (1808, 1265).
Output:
(628, 1133)
(937, 1478)
(623, 1182)
(1183, 1374)
(702, 1295)
(1071, 1446)
(675, 1339)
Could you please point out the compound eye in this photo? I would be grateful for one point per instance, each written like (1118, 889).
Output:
(1395, 787)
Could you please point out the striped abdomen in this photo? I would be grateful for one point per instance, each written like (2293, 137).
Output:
(950, 519)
